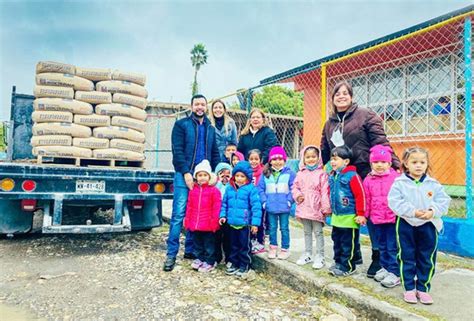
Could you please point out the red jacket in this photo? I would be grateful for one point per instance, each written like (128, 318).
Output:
(203, 209)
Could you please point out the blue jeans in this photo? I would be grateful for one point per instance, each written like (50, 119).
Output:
(284, 219)
(180, 198)
(387, 239)
(374, 240)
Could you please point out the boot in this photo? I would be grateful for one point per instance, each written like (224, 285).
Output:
(375, 265)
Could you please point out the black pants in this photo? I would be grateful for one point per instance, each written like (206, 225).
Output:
(205, 246)
(240, 248)
(223, 243)
(346, 243)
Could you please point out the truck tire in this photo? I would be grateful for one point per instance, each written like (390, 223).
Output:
(52, 117)
(113, 153)
(94, 97)
(53, 66)
(136, 101)
(62, 151)
(94, 74)
(64, 80)
(134, 77)
(93, 120)
(53, 92)
(113, 132)
(127, 145)
(63, 104)
(120, 110)
(129, 123)
(73, 130)
(91, 142)
(123, 87)
(51, 140)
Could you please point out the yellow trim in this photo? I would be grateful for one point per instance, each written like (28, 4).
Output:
(415, 33)
(323, 95)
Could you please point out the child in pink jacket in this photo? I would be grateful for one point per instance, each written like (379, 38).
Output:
(202, 217)
(311, 193)
(377, 184)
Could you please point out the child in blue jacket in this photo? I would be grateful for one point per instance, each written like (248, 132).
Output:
(275, 193)
(242, 210)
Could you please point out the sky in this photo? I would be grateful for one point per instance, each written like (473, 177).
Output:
(246, 41)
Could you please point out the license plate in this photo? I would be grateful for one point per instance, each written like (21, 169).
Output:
(90, 186)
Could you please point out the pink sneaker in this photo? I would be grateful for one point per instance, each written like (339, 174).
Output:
(424, 297)
(410, 297)
(197, 263)
(272, 252)
(284, 254)
(205, 267)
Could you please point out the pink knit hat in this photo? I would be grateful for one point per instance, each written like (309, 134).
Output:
(381, 153)
(277, 152)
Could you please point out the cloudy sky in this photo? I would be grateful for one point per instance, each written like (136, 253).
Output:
(247, 41)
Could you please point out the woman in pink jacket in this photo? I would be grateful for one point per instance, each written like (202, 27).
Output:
(377, 184)
(311, 193)
(202, 217)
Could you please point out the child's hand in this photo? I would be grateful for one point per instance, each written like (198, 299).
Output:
(361, 220)
(419, 213)
(427, 215)
(222, 221)
(254, 229)
(300, 199)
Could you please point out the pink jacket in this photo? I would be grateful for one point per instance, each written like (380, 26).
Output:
(203, 209)
(314, 186)
(376, 189)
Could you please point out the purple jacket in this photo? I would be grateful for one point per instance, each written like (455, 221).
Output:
(376, 189)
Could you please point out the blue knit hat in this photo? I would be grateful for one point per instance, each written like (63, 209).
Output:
(244, 168)
(222, 166)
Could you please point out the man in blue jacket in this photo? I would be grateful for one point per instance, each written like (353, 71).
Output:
(193, 139)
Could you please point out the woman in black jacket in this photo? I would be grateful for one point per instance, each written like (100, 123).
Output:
(257, 135)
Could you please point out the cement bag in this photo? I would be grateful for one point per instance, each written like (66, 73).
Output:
(51, 117)
(123, 87)
(129, 76)
(94, 74)
(92, 120)
(91, 142)
(120, 110)
(119, 132)
(136, 101)
(112, 153)
(73, 130)
(63, 104)
(127, 145)
(94, 97)
(62, 151)
(129, 123)
(51, 140)
(64, 80)
(52, 66)
(53, 91)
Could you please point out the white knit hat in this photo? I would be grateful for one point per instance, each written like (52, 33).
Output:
(203, 166)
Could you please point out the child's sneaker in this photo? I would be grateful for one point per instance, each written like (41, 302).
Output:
(340, 273)
(248, 275)
(259, 248)
(424, 297)
(380, 275)
(410, 297)
(228, 265)
(197, 263)
(206, 267)
(284, 254)
(390, 281)
(305, 258)
(318, 262)
(231, 270)
(272, 252)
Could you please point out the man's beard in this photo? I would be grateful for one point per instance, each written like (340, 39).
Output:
(197, 116)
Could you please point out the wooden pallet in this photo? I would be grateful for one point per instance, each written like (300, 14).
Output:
(89, 162)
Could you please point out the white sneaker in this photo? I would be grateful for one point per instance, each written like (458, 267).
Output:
(380, 275)
(390, 281)
(318, 262)
(305, 258)
(254, 244)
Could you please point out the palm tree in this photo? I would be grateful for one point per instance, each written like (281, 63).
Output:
(198, 58)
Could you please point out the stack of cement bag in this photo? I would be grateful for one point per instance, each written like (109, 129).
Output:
(88, 112)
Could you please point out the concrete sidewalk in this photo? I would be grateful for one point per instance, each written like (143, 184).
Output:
(452, 285)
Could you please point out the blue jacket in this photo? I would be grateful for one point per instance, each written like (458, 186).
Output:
(407, 195)
(276, 194)
(241, 206)
(184, 144)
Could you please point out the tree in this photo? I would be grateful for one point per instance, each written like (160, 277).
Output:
(198, 58)
(279, 100)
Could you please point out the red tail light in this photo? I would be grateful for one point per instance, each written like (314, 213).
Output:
(28, 185)
(138, 204)
(143, 187)
(28, 205)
